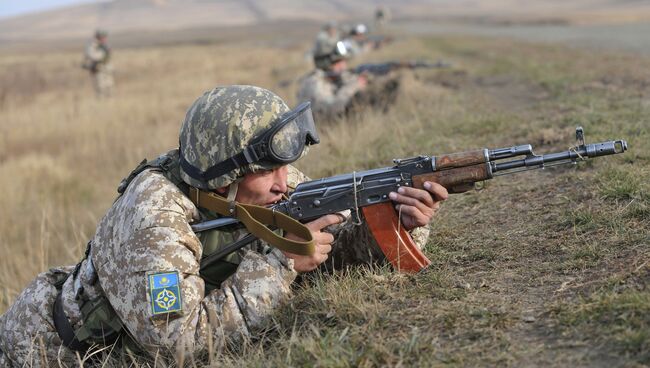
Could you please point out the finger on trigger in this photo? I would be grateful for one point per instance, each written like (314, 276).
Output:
(325, 221)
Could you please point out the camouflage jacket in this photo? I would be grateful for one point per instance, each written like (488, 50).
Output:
(325, 43)
(355, 47)
(146, 234)
(329, 99)
(97, 57)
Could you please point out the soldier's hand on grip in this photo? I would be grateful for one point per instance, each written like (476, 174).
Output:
(323, 242)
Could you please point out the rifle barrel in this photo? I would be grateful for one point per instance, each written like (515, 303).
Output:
(574, 154)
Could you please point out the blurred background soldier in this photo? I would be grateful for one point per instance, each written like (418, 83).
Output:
(330, 87)
(382, 16)
(357, 41)
(97, 60)
(327, 37)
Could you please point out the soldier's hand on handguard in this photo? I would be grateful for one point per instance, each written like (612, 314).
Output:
(323, 242)
(418, 206)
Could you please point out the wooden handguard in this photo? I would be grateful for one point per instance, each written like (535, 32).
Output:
(462, 159)
(457, 180)
(398, 246)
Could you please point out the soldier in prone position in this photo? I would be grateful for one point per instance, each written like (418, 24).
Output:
(336, 91)
(140, 285)
(330, 87)
(357, 41)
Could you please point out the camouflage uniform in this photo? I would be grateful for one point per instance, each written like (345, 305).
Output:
(145, 232)
(380, 93)
(382, 16)
(354, 47)
(329, 99)
(326, 38)
(97, 61)
(148, 230)
(357, 41)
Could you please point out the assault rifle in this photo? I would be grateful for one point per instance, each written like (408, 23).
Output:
(387, 67)
(368, 191)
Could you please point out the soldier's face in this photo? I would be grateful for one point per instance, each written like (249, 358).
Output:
(263, 188)
(340, 66)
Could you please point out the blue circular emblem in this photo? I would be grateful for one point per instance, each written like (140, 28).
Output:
(165, 299)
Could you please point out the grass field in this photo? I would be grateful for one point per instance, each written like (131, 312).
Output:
(549, 267)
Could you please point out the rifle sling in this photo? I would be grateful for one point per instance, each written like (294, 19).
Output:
(256, 219)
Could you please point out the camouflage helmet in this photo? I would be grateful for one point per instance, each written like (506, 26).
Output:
(220, 124)
(328, 53)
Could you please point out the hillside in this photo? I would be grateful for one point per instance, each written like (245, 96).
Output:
(165, 16)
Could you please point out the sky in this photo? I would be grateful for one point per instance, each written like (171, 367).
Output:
(9, 8)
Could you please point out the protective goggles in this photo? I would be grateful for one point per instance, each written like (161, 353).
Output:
(340, 49)
(282, 143)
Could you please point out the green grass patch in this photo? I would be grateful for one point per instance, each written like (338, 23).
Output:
(622, 319)
(618, 184)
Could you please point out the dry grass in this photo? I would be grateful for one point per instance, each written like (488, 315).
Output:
(543, 268)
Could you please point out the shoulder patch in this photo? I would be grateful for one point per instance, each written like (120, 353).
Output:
(165, 293)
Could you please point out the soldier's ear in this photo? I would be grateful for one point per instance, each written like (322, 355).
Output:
(222, 190)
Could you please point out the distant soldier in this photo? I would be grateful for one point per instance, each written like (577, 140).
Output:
(336, 91)
(97, 61)
(382, 16)
(327, 37)
(357, 41)
(330, 87)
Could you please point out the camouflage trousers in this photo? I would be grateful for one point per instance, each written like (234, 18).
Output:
(27, 334)
(103, 82)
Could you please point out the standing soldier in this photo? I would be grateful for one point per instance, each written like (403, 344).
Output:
(141, 284)
(97, 61)
(382, 16)
(330, 87)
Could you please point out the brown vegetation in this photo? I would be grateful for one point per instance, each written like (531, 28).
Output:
(542, 268)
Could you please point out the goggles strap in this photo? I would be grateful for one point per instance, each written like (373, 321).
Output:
(215, 171)
(256, 219)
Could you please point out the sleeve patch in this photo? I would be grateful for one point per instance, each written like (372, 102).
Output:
(165, 293)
